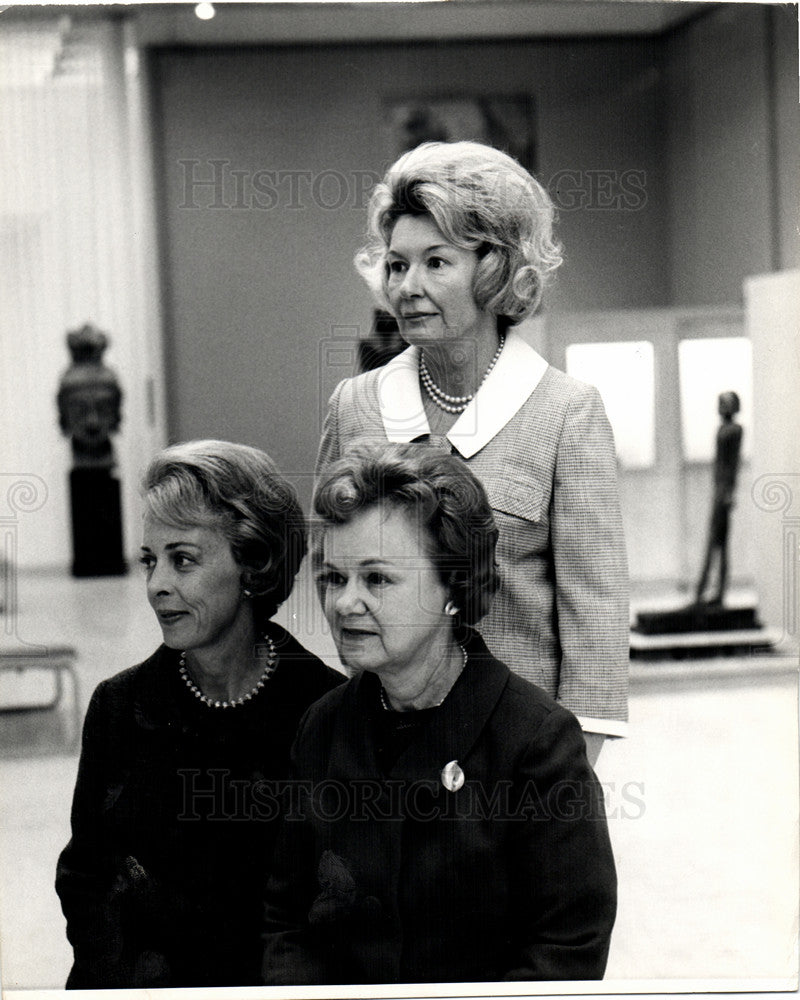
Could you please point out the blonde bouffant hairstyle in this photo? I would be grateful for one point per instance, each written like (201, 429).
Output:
(481, 200)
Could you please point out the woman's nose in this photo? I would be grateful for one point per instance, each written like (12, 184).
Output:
(411, 285)
(158, 581)
(350, 599)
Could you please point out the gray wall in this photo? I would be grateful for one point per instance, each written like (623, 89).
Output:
(733, 147)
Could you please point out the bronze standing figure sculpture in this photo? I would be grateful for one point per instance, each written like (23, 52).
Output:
(726, 467)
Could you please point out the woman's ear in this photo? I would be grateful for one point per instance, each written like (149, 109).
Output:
(246, 582)
(455, 592)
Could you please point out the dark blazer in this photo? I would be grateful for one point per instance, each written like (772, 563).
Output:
(394, 878)
(541, 444)
(172, 834)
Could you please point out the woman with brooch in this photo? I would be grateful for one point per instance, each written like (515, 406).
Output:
(451, 828)
(177, 796)
(461, 249)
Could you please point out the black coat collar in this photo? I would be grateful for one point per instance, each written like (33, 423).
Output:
(158, 688)
(457, 725)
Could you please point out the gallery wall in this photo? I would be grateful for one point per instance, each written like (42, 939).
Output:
(733, 144)
(263, 303)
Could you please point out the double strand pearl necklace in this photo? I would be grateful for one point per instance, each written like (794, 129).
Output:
(269, 670)
(385, 701)
(454, 404)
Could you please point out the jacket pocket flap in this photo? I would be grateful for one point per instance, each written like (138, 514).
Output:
(516, 496)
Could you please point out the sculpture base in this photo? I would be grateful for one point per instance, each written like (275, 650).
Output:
(96, 523)
(696, 618)
(746, 642)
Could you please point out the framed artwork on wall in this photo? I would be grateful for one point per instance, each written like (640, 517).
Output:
(507, 122)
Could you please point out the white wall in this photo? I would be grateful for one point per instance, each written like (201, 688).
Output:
(773, 322)
(76, 241)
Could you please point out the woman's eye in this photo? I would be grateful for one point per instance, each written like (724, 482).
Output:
(396, 267)
(377, 579)
(436, 262)
(147, 562)
(330, 579)
(182, 561)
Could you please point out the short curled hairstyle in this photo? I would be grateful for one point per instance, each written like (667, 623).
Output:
(442, 495)
(481, 200)
(238, 490)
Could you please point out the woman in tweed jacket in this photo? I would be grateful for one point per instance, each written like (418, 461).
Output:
(460, 250)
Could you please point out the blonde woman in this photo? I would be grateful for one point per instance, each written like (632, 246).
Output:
(461, 248)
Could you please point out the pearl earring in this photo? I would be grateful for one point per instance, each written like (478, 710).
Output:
(450, 609)
(247, 593)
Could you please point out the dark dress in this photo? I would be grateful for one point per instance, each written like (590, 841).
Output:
(173, 822)
(468, 844)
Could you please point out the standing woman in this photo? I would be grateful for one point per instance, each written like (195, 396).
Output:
(176, 803)
(460, 250)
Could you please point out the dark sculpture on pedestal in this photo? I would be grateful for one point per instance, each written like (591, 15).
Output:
(726, 466)
(89, 401)
(711, 615)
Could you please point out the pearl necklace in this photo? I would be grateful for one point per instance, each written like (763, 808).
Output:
(385, 701)
(454, 404)
(269, 670)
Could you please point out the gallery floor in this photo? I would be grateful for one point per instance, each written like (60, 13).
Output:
(702, 798)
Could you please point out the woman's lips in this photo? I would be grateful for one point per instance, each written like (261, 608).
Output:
(170, 617)
(356, 633)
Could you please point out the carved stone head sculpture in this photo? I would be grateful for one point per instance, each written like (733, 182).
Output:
(89, 399)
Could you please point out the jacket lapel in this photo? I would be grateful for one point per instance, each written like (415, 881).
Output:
(353, 754)
(154, 705)
(460, 720)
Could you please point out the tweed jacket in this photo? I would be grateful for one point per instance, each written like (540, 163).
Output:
(541, 444)
(505, 872)
(162, 880)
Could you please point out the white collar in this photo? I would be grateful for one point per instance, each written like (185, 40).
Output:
(518, 371)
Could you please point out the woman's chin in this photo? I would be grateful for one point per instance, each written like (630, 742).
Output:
(422, 331)
(171, 638)
(357, 664)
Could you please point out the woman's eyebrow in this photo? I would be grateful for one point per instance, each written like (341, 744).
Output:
(433, 246)
(372, 561)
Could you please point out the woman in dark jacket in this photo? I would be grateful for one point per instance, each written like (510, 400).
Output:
(447, 826)
(174, 812)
